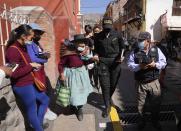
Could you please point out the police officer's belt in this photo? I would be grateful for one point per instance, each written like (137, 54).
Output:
(106, 59)
(111, 56)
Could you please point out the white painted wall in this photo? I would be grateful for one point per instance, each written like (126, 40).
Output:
(174, 21)
(154, 9)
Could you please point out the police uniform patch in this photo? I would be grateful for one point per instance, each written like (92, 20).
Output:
(114, 39)
(108, 22)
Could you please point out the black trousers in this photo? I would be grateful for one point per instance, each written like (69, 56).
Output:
(109, 73)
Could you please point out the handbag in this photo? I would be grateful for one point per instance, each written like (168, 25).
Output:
(40, 78)
(62, 93)
(38, 75)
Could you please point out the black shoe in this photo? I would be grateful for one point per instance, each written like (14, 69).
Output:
(79, 114)
(73, 109)
(113, 104)
(157, 126)
(106, 112)
(29, 129)
(141, 125)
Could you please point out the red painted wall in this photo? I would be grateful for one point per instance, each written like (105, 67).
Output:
(63, 14)
(56, 9)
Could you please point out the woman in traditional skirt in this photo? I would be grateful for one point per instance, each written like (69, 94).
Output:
(73, 71)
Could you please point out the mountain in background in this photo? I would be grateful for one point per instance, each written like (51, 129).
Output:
(92, 19)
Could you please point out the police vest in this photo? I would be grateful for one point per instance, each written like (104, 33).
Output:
(147, 74)
(108, 47)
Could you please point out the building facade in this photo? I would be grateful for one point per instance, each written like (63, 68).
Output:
(114, 10)
(59, 18)
(160, 18)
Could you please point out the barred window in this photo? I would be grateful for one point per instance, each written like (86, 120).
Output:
(176, 9)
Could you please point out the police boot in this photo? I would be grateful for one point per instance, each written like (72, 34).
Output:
(142, 123)
(106, 112)
(157, 125)
(155, 121)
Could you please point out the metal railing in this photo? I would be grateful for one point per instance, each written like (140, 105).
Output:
(130, 15)
(8, 15)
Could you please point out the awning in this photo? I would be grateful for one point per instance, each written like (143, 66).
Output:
(174, 28)
(172, 24)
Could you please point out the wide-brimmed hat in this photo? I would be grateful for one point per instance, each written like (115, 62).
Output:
(37, 28)
(107, 23)
(79, 38)
(144, 36)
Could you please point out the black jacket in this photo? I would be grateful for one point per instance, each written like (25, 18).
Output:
(108, 47)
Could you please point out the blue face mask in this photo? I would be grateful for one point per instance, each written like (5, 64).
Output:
(141, 45)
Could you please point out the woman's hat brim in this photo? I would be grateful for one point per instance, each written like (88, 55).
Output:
(80, 40)
(41, 32)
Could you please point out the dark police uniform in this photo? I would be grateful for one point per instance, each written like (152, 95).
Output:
(108, 47)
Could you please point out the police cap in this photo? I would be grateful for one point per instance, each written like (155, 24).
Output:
(144, 36)
(107, 23)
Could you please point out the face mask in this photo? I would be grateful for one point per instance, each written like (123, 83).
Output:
(81, 49)
(141, 45)
(107, 30)
(28, 42)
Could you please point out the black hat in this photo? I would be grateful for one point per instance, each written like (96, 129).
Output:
(144, 36)
(79, 38)
(107, 23)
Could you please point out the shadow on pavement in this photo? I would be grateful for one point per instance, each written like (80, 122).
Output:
(96, 100)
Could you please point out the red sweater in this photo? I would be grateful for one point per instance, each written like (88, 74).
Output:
(22, 75)
(70, 61)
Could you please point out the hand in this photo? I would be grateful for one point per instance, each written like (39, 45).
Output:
(7, 70)
(47, 54)
(151, 65)
(95, 58)
(143, 66)
(120, 60)
(62, 77)
(35, 65)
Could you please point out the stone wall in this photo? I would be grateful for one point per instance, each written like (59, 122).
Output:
(11, 118)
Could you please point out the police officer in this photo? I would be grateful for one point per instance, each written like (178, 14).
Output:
(108, 48)
(146, 61)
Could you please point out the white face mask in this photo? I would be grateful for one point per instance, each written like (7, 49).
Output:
(81, 49)
(28, 42)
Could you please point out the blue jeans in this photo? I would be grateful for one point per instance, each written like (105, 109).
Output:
(29, 96)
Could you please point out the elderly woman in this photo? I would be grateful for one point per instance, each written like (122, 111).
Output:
(74, 73)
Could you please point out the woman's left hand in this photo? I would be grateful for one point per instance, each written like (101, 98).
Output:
(7, 70)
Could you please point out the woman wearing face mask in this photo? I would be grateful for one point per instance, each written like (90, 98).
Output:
(22, 80)
(74, 73)
(38, 55)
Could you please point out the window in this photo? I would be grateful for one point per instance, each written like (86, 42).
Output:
(176, 9)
